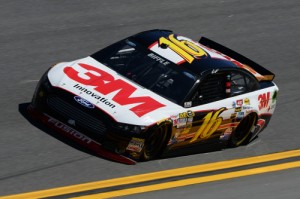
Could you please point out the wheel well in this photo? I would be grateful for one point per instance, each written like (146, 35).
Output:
(254, 114)
(242, 133)
(157, 152)
(169, 134)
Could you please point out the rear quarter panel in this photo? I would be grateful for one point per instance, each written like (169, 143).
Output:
(218, 120)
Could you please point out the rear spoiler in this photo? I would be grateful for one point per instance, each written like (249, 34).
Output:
(257, 70)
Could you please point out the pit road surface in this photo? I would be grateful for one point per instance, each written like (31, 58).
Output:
(38, 33)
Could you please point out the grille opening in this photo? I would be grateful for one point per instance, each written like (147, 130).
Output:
(82, 119)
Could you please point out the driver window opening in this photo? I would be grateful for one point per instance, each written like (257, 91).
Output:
(223, 85)
(210, 90)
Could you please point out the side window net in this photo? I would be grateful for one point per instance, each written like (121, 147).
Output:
(212, 89)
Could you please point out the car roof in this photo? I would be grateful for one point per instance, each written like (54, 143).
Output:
(198, 66)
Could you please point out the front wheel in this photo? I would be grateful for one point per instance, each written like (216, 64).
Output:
(242, 133)
(156, 142)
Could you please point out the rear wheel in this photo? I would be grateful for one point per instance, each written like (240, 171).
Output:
(242, 133)
(156, 142)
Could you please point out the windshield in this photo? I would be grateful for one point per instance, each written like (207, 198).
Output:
(147, 69)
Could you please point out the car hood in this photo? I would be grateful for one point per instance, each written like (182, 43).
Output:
(97, 86)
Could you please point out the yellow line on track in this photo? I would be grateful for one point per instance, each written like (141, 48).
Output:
(154, 176)
(192, 181)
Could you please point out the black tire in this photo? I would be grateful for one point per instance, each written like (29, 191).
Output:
(156, 142)
(242, 133)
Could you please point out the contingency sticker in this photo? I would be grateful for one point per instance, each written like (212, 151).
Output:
(135, 145)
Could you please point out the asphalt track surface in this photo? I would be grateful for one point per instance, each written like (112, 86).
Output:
(36, 34)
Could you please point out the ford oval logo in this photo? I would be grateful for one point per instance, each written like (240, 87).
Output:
(84, 102)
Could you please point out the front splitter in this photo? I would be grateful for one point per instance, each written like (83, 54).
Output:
(77, 137)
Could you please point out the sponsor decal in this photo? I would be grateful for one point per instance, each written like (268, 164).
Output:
(263, 100)
(135, 145)
(233, 115)
(233, 104)
(246, 107)
(70, 131)
(99, 98)
(239, 102)
(238, 109)
(159, 59)
(187, 114)
(84, 102)
(174, 119)
(184, 120)
(187, 126)
(240, 115)
(181, 122)
(105, 84)
(261, 123)
(247, 101)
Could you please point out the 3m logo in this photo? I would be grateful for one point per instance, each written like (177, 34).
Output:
(105, 83)
(263, 100)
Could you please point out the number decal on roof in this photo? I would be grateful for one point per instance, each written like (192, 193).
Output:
(182, 49)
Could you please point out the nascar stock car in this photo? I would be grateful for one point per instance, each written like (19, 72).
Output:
(154, 92)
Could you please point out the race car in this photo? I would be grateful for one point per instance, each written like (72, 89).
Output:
(154, 92)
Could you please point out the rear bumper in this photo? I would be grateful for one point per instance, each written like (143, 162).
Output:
(77, 137)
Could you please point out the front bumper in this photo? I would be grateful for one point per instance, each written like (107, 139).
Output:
(77, 137)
